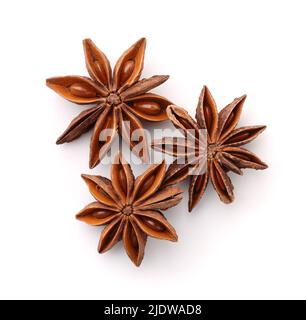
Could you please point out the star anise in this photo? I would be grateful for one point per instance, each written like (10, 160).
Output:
(223, 148)
(130, 208)
(120, 99)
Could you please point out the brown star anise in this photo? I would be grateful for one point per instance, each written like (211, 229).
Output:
(120, 99)
(223, 148)
(130, 208)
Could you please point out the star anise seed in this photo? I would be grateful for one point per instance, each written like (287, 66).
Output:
(130, 208)
(223, 150)
(120, 98)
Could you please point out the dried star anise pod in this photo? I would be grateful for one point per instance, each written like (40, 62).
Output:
(120, 98)
(223, 148)
(130, 208)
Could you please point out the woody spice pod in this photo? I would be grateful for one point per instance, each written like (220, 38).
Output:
(223, 149)
(120, 99)
(129, 208)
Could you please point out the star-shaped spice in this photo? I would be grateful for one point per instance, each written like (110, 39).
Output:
(223, 151)
(119, 98)
(130, 208)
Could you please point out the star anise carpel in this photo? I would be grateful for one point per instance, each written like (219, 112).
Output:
(129, 208)
(223, 148)
(120, 98)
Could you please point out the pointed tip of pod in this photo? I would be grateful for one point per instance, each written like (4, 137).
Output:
(88, 43)
(174, 238)
(240, 173)
(142, 40)
(78, 217)
(190, 207)
(86, 177)
(264, 166)
(228, 200)
(165, 77)
(243, 97)
(59, 141)
(192, 204)
(260, 129)
(161, 78)
(205, 88)
(137, 262)
(100, 250)
(49, 82)
(93, 163)
(86, 40)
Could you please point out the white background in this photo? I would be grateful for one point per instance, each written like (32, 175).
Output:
(254, 248)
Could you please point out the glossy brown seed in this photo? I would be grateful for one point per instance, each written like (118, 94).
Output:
(127, 70)
(119, 96)
(129, 208)
(149, 106)
(77, 89)
(223, 150)
(152, 108)
(97, 214)
(80, 90)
